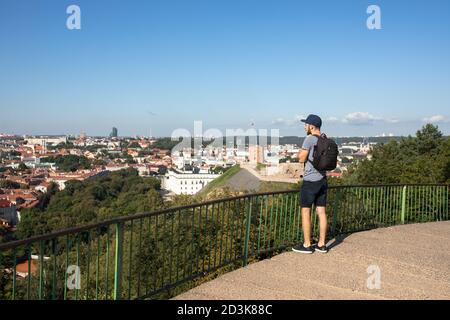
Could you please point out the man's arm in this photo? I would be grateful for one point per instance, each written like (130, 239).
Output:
(304, 152)
(303, 155)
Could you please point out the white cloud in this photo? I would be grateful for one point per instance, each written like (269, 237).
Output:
(289, 122)
(278, 121)
(354, 118)
(360, 118)
(297, 119)
(365, 118)
(332, 119)
(436, 119)
(392, 120)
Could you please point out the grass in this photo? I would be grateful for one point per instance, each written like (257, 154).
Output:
(220, 181)
(260, 166)
(269, 186)
(265, 186)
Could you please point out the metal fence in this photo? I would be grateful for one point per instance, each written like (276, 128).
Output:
(150, 255)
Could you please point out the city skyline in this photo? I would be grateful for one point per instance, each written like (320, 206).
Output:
(149, 68)
(206, 138)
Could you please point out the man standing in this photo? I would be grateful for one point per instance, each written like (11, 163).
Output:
(313, 189)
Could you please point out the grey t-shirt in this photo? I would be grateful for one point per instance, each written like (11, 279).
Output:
(311, 174)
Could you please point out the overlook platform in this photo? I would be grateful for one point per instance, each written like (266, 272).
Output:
(414, 263)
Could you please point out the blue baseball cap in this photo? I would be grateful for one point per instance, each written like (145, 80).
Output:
(314, 120)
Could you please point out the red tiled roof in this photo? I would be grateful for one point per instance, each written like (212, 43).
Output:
(44, 184)
(334, 174)
(4, 203)
(29, 205)
(23, 267)
(13, 195)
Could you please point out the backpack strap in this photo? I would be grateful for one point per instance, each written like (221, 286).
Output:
(307, 160)
(322, 135)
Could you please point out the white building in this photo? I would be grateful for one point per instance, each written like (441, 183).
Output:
(291, 149)
(348, 149)
(46, 141)
(35, 162)
(186, 183)
(211, 161)
(273, 159)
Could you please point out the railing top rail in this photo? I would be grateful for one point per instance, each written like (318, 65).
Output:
(391, 185)
(122, 219)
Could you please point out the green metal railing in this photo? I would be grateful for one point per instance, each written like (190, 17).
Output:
(158, 254)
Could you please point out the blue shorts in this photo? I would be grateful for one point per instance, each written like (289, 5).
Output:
(314, 192)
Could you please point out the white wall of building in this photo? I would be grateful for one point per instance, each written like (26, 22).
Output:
(186, 183)
(46, 140)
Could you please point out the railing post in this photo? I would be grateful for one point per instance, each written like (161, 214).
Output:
(41, 269)
(335, 208)
(402, 218)
(446, 206)
(247, 233)
(118, 261)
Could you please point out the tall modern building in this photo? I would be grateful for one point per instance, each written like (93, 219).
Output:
(113, 133)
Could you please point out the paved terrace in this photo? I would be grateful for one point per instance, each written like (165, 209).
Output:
(414, 261)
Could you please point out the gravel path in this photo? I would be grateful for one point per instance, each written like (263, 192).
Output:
(414, 263)
(243, 180)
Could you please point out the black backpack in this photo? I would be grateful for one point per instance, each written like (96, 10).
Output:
(325, 154)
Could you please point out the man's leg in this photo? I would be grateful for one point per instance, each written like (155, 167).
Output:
(321, 212)
(306, 225)
(307, 198)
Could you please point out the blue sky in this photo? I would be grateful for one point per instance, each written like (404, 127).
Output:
(149, 67)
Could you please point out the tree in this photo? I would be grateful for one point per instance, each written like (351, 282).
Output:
(218, 169)
(134, 145)
(428, 139)
(346, 160)
(165, 143)
(69, 163)
(420, 159)
(45, 198)
(81, 202)
(99, 162)
(7, 184)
